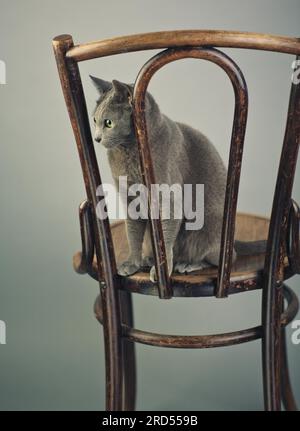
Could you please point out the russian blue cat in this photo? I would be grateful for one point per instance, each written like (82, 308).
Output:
(181, 155)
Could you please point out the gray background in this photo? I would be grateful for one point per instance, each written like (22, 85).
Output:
(54, 357)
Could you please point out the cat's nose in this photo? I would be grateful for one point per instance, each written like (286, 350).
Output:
(97, 139)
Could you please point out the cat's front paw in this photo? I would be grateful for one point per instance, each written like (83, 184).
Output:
(186, 268)
(153, 276)
(128, 268)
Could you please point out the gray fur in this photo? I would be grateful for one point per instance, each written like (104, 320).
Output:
(181, 154)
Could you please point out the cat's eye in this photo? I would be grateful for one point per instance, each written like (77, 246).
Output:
(108, 123)
(95, 120)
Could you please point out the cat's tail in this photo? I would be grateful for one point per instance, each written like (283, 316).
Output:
(247, 248)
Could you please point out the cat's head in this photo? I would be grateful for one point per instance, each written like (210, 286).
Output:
(113, 114)
(113, 117)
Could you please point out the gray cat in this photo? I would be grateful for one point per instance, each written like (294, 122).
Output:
(181, 155)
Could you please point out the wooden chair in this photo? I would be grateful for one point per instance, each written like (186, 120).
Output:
(103, 245)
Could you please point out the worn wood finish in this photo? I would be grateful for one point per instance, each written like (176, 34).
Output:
(113, 307)
(83, 262)
(205, 341)
(180, 38)
(246, 271)
(276, 252)
(293, 240)
(234, 165)
(128, 365)
(287, 395)
(192, 341)
(129, 359)
(106, 266)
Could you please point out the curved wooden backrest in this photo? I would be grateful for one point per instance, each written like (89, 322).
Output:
(180, 38)
(183, 44)
(235, 159)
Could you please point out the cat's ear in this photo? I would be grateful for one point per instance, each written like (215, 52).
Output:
(124, 91)
(101, 85)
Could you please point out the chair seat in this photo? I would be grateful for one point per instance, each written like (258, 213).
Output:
(246, 271)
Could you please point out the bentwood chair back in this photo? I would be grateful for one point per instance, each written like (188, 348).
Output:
(104, 244)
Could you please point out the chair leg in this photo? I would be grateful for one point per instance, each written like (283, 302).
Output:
(271, 353)
(286, 387)
(114, 369)
(129, 360)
